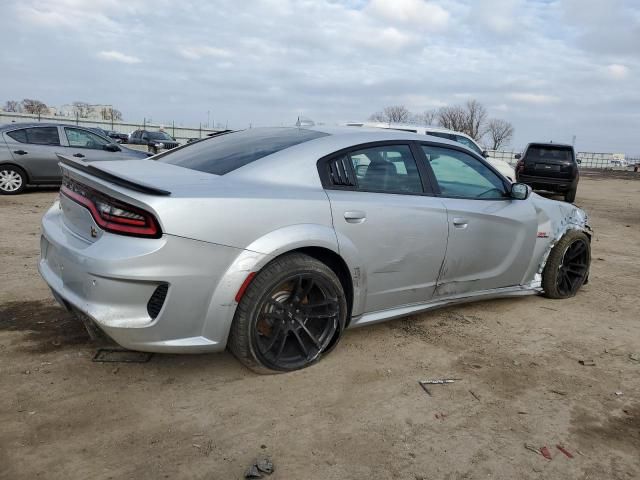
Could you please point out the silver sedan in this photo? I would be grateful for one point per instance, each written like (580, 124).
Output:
(271, 242)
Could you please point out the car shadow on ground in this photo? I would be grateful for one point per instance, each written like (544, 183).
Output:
(47, 328)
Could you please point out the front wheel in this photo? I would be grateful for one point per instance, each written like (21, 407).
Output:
(567, 267)
(13, 180)
(292, 313)
(570, 196)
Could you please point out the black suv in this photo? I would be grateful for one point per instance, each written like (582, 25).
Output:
(551, 167)
(154, 141)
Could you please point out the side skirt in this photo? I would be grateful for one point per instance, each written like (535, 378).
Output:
(405, 310)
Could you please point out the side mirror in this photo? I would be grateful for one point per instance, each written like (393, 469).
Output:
(111, 147)
(579, 161)
(520, 191)
(517, 156)
(485, 154)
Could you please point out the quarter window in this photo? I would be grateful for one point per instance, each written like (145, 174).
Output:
(82, 139)
(388, 169)
(36, 135)
(460, 175)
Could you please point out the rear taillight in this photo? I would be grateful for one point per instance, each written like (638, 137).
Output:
(110, 214)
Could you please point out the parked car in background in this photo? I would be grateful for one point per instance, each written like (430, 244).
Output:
(153, 142)
(551, 167)
(503, 167)
(273, 241)
(118, 137)
(99, 131)
(28, 152)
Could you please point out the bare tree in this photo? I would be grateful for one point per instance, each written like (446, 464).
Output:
(392, 114)
(476, 119)
(111, 114)
(32, 106)
(397, 114)
(12, 106)
(453, 118)
(81, 109)
(428, 117)
(500, 132)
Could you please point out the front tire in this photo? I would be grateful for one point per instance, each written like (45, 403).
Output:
(292, 314)
(567, 267)
(13, 180)
(570, 196)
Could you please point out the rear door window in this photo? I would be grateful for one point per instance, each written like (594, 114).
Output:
(36, 135)
(386, 169)
(549, 154)
(225, 153)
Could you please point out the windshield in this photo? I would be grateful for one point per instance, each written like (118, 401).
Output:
(159, 136)
(225, 153)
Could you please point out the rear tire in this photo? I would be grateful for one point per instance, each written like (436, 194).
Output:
(291, 315)
(570, 196)
(13, 180)
(567, 267)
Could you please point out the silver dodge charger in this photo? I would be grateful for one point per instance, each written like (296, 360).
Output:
(273, 241)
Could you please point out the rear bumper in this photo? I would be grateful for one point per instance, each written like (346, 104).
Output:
(548, 183)
(112, 280)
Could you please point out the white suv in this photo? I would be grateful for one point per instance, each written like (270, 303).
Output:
(503, 167)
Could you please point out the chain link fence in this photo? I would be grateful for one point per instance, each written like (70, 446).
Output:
(603, 161)
(180, 133)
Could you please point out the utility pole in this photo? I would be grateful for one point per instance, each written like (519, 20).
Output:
(208, 118)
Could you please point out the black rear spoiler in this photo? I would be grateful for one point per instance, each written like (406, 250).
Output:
(96, 171)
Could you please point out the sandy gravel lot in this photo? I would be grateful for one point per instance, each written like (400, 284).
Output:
(359, 413)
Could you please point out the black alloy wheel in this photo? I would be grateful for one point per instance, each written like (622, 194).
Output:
(573, 269)
(292, 314)
(567, 267)
(297, 322)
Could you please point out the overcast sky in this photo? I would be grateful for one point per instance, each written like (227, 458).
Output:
(554, 68)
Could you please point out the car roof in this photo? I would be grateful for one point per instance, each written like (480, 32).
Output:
(549, 144)
(406, 126)
(13, 126)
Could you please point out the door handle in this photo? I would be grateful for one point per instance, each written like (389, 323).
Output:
(460, 222)
(79, 155)
(355, 216)
(20, 152)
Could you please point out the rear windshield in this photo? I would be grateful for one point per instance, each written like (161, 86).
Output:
(225, 153)
(541, 153)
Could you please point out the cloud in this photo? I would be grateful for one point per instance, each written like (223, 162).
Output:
(115, 56)
(540, 64)
(533, 98)
(197, 52)
(428, 15)
(617, 71)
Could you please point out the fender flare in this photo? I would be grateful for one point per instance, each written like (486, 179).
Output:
(255, 256)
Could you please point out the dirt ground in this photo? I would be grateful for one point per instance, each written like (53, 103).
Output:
(359, 413)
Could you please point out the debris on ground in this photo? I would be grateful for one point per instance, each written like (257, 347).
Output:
(635, 357)
(261, 467)
(619, 394)
(474, 394)
(532, 448)
(443, 381)
(587, 363)
(565, 451)
(545, 453)
(121, 355)
(440, 416)
(558, 392)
